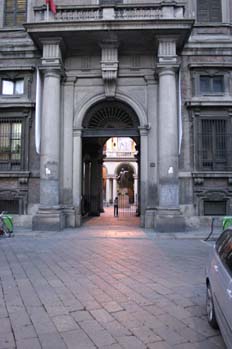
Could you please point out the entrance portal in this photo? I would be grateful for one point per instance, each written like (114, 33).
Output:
(105, 123)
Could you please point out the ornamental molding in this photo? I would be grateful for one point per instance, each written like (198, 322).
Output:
(109, 66)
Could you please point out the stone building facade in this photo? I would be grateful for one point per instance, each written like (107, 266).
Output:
(157, 71)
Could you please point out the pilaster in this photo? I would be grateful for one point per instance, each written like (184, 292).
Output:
(144, 172)
(77, 171)
(168, 216)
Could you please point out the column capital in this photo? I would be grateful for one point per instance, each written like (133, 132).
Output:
(52, 71)
(77, 133)
(167, 49)
(70, 80)
(52, 51)
(143, 130)
(167, 69)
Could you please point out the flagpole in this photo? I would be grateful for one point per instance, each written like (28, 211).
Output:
(47, 12)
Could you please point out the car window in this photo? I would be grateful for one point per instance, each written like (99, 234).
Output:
(224, 249)
(229, 261)
(222, 240)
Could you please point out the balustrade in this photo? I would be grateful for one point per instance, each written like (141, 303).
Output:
(68, 13)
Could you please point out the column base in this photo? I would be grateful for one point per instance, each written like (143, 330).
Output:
(50, 219)
(149, 218)
(70, 217)
(169, 220)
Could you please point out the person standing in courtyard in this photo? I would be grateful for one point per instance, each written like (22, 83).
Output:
(116, 207)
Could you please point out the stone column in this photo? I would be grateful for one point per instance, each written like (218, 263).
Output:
(143, 172)
(115, 193)
(94, 197)
(108, 190)
(68, 139)
(77, 175)
(50, 215)
(100, 184)
(135, 189)
(168, 215)
(67, 151)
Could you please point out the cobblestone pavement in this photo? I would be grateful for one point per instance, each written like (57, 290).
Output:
(103, 287)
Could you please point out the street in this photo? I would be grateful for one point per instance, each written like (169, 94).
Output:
(103, 287)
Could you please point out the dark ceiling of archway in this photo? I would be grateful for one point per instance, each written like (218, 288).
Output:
(111, 114)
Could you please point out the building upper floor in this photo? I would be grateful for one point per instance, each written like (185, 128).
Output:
(13, 13)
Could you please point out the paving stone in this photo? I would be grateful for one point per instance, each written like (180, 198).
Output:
(32, 343)
(5, 326)
(7, 340)
(113, 346)
(41, 321)
(101, 315)
(77, 340)
(116, 329)
(128, 342)
(102, 338)
(112, 307)
(64, 323)
(159, 345)
(52, 341)
(81, 315)
(146, 335)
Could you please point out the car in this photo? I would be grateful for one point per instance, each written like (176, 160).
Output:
(219, 286)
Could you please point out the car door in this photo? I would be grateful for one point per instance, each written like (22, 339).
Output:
(218, 279)
(224, 287)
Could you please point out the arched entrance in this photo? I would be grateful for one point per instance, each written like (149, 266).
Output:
(102, 121)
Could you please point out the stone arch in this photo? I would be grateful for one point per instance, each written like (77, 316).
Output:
(138, 109)
(121, 164)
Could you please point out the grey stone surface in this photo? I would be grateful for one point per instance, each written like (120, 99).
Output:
(89, 288)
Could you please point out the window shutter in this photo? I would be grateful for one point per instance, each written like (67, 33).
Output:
(209, 11)
(203, 10)
(215, 11)
(15, 12)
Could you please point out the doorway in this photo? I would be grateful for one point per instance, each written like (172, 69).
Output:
(110, 167)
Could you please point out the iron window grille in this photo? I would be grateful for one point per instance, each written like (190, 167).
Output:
(214, 145)
(214, 208)
(15, 12)
(209, 11)
(11, 147)
(10, 206)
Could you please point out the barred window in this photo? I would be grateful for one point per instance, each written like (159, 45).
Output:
(211, 84)
(214, 208)
(209, 11)
(214, 145)
(10, 144)
(15, 12)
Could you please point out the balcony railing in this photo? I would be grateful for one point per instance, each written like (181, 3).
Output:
(119, 154)
(77, 13)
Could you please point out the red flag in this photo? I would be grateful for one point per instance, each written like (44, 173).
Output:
(52, 5)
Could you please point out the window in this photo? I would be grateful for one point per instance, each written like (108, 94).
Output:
(214, 142)
(12, 87)
(209, 11)
(10, 144)
(15, 12)
(214, 208)
(224, 249)
(10, 206)
(211, 84)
